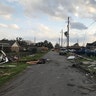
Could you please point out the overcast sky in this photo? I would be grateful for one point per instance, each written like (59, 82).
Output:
(44, 19)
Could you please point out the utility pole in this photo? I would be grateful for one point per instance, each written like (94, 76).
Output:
(59, 41)
(61, 38)
(68, 33)
(34, 40)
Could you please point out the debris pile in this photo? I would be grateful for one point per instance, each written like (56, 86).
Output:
(3, 57)
(87, 65)
(40, 61)
(71, 57)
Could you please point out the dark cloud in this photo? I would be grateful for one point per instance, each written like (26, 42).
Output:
(59, 8)
(78, 25)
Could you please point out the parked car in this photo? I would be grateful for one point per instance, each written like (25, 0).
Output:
(63, 51)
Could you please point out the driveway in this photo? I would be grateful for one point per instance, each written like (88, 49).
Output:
(55, 78)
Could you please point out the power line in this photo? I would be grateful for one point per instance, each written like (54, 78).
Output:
(87, 31)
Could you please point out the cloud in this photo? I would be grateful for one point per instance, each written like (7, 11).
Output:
(46, 32)
(59, 8)
(78, 25)
(56, 10)
(12, 0)
(11, 26)
(6, 11)
(7, 16)
(42, 32)
(3, 25)
(14, 26)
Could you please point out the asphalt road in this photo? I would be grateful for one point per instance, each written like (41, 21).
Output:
(55, 78)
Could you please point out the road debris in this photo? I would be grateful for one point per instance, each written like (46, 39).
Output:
(71, 57)
(40, 61)
(32, 62)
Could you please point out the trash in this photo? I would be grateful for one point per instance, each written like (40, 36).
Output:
(16, 58)
(3, 58)
(94, 67)
(91, 65)
(40, 61)
(91, 76)
(11, 66)
(73, 65)
(7, 66)
(32, 62)
(86, 62)
(6, 74)
(87, 74)
(71, 58)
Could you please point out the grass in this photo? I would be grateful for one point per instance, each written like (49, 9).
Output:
(33, 57)
(93, 57)
(7, 73)
(88, 67)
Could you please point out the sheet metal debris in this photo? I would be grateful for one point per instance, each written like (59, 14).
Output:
(3, 57)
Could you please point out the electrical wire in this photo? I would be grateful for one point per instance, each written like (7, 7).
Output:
(85, 36)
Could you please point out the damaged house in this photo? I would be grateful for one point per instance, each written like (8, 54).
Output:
(15, 47)
(5, 46)
(91, 46)
(8, 46)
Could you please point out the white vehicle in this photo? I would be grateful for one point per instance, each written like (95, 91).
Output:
(63, 51)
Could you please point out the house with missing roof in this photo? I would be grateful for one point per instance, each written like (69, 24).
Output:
(91, 46)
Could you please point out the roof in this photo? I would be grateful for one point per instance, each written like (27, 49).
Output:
(15, 44)
(91, 44)
(4, 45)
(7, 42)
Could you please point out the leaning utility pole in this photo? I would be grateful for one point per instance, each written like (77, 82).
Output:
(68, 33)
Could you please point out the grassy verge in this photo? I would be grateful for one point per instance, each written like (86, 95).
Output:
(87, 64)
(7, 73)
(12, 69)
(33, 57)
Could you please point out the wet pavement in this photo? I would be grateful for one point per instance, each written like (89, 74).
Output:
(54, 78)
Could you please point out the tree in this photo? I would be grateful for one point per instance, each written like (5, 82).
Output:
(50, 46)
(45, 44)
(19, 39)
(57, 45)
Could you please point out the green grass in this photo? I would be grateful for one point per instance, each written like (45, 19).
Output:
(93, 57)
(31, 58)
(8, 73)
